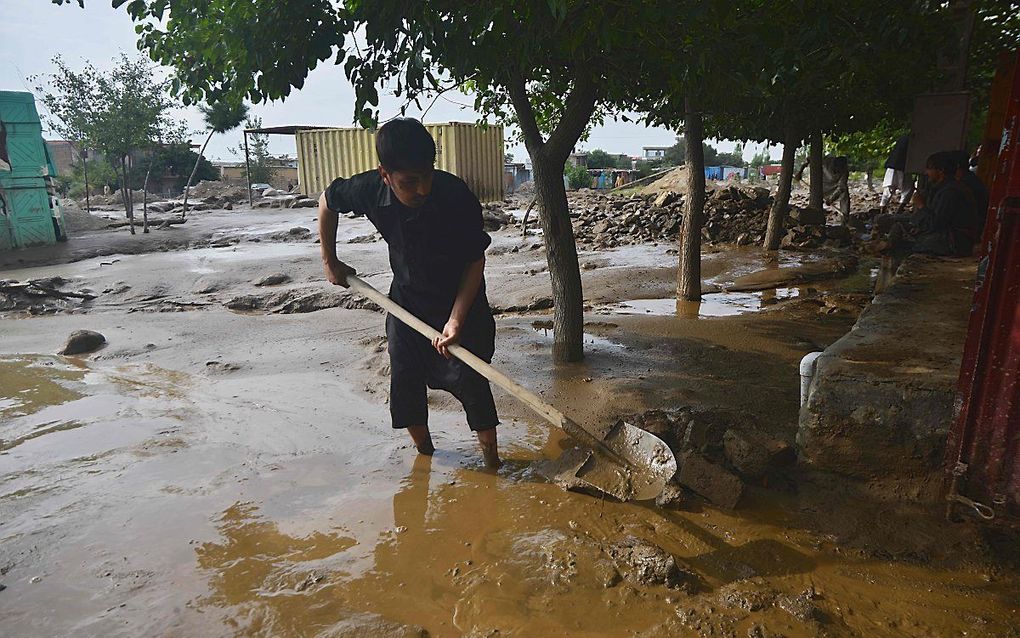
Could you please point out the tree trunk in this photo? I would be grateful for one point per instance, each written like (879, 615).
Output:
(688, 276)
(548, 158)
(869, 176)
(126, 190)
(187, 187)
(561, 255)
(85, 172)
(145, 196)
(815, 200)
(777, 216)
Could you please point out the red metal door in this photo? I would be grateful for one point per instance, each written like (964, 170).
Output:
(983, 450)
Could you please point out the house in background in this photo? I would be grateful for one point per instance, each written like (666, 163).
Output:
(654, 152)
(285, 169)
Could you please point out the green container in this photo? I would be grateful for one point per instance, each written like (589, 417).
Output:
(29, 216)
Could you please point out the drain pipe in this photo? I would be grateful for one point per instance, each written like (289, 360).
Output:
(807, 372)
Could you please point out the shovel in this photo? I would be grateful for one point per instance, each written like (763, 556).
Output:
(624, 462)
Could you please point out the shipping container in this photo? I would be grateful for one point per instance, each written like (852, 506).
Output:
(29, 211)
(472, 152)
(983, 448)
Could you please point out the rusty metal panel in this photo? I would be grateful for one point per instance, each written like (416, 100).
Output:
(983, 450)
(473, 153)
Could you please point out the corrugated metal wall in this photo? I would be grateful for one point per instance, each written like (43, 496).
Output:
(472, 152)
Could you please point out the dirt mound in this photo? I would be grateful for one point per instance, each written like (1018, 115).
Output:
(674, 181)
(77, 220)
(219, 190)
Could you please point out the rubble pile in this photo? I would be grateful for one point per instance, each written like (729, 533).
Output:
(718, 451)
(41, 296)
(735, 214)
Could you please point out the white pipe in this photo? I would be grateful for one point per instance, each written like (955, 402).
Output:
(807, 372)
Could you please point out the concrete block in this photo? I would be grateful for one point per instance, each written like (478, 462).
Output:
(709, 480)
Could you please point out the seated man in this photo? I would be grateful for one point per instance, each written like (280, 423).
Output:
(946, 216)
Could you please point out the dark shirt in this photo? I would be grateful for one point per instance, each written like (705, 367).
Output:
(429, 246)
(973, 184)
(952, 217)
(898, 157)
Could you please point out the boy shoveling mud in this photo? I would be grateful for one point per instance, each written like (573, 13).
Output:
(432, 223)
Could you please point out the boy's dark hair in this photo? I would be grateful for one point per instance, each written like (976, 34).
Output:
(943, 161)
(403, 144)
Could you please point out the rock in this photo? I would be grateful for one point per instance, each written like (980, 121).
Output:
(671, 497)
(665, 198)
(299, 231)
(273, 192)
(800, 607)
(305, 203)
(83, 341)
(753, 454)
(709, 480)
(606, 573)
(205, 286)
(643, 563)
(274, 279)
(808, 216)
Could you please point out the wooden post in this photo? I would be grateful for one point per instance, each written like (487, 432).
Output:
(247, 167)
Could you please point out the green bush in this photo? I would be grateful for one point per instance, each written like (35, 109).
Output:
(577, 176)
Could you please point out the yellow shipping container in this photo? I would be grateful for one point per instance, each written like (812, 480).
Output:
(471, 152)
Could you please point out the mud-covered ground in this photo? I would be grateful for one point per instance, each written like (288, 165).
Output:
(225, 466)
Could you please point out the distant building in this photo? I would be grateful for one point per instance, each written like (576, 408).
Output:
(286, 172)
(654, 152)
(578, 159)
(64, 156)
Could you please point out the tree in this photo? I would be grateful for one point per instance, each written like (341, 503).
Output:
(838, 69)
(260, 168)
(550, 67)
(598, 158)
(220, 117)
(116, 112)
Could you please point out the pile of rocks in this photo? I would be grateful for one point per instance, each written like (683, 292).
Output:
(736, 214)
(717, 452)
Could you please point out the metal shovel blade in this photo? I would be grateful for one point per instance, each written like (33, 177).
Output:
(647, 465)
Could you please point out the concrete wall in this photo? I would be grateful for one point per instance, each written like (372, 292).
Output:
(881, 402)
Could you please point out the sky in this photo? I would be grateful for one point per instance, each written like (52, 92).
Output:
(32, 32)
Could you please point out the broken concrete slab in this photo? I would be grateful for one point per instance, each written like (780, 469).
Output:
(881, 400)
(709, 480)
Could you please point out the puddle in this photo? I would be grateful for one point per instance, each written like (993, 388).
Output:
(721, 304)
(545, 329)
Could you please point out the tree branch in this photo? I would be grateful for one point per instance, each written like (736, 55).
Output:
(577, 111)
(525, 113)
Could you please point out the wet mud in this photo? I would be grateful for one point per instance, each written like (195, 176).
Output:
(226, 472)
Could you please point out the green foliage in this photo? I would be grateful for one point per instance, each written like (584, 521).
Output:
(223, 116)
(867, 149)
(263, 169)
(577, 176)
(598, 158)
(647, 167)
(677, 155)
(114, 112)
(176, 160)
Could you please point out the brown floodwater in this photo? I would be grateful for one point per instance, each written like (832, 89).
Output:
(139, 501)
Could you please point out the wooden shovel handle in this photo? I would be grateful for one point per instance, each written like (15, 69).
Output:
(546, 411)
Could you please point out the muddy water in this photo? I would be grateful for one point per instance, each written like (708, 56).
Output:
(150, 502)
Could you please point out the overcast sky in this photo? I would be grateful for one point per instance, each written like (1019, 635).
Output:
(33, 31)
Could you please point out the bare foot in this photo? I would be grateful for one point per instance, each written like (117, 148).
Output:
(490, 450)
(422, 439)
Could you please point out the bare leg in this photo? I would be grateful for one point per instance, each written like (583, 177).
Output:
(422, 439)
(490, 451)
